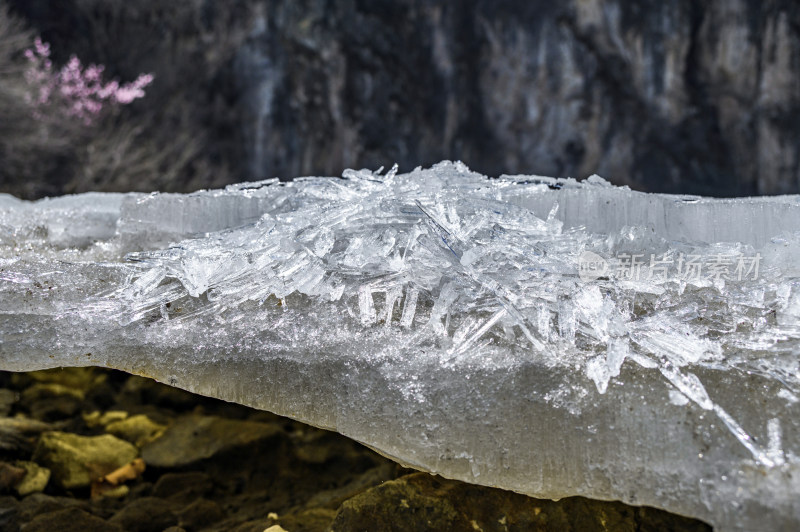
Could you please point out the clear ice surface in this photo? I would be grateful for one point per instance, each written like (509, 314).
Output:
(545, 336)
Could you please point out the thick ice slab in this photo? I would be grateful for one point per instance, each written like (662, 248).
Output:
(549, 337)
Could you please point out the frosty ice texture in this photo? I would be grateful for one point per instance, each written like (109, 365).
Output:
(546, 336)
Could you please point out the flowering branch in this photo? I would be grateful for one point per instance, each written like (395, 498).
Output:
(78, 90)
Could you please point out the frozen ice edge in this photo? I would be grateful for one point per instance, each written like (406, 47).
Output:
(484, 384)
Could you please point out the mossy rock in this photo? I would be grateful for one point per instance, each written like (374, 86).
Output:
(77, 460)
(35, 480)
(77, 378)
(139, 430)
(49, 390)
(102, 419)
(423, 502)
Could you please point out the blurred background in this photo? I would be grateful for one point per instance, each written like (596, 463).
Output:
(661, 95)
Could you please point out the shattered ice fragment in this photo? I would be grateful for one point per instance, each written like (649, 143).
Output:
(409, 307)
(677, 398)
(775, 436)
(365, 305)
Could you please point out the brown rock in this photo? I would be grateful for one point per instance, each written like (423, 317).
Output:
(200, 514)
(10, 476)
(69, 520)
(194, 438)
(18, 434)
(147, 514)
(9, 514)
(39, 504)
(7, 399)
(183, 486)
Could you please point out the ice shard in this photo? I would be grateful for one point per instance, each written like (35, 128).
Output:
(542, 335)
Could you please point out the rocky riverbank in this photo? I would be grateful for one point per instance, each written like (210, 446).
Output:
(89, 449)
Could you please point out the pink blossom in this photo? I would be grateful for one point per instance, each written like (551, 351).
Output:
(42, 48)
(76, 91)
(127, 93)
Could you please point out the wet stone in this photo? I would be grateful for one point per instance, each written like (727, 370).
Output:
(307, 520)
(200, 514)
(35, 479)
(69, 520)
(139, 429)
(7, 399)
(333, 498)
(147, 514)
(51, 407)
(18, 434)
(50, 390)
(102, 419)
(40, 503)
(139, 390)
(184, 486)
(10, 476)
(78, 378)
(77, 460)
(423, 502)
(9, 514)
(195, 438)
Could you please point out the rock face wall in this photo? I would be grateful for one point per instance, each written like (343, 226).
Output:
(671, 96)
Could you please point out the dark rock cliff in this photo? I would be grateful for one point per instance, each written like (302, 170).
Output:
(675, 95)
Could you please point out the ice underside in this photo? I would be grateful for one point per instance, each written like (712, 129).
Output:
(438, 317)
